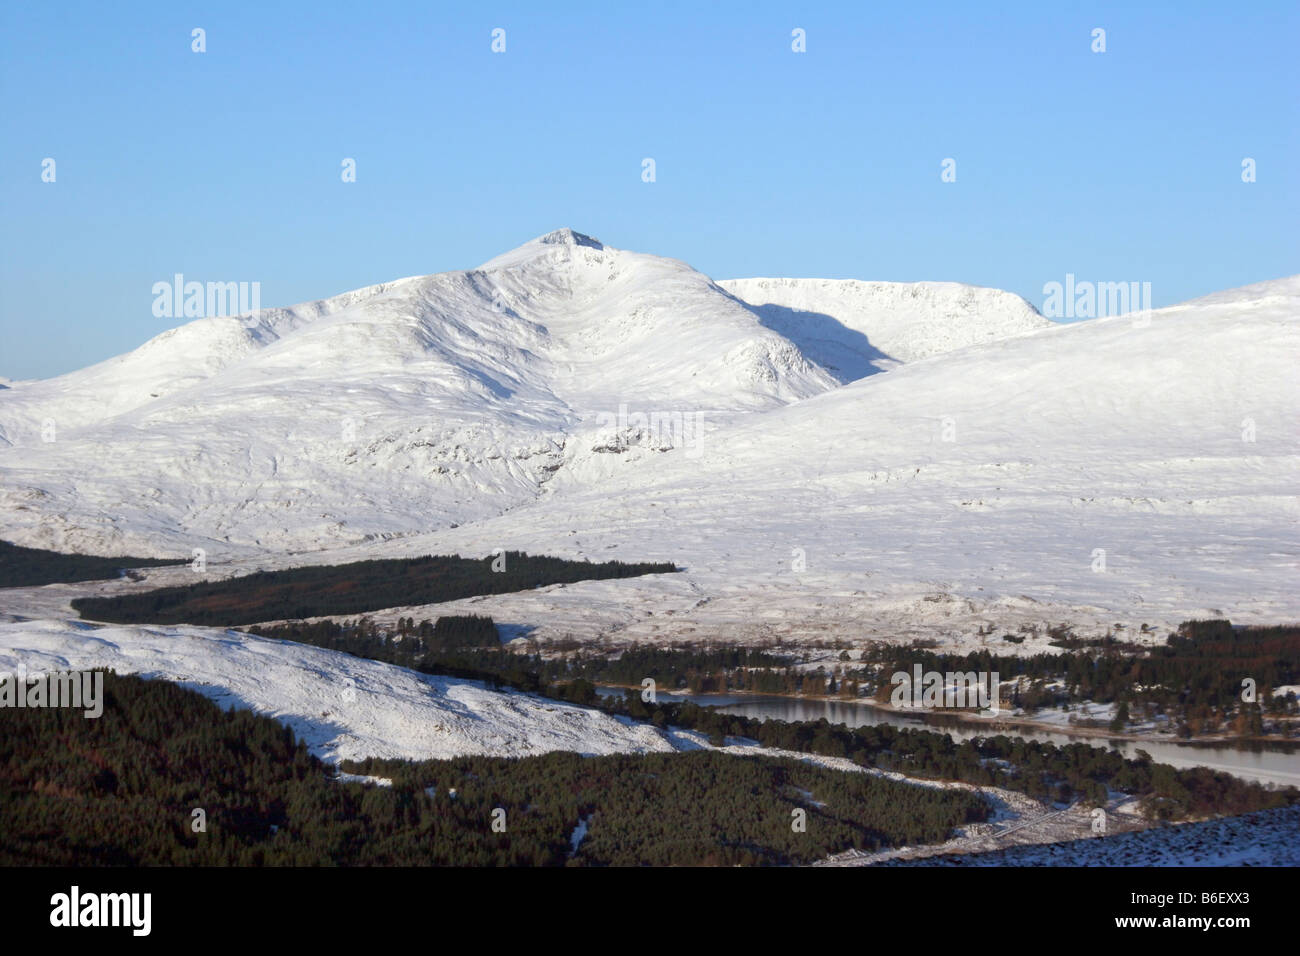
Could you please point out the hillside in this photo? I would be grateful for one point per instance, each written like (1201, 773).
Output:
(854, 329)
(573, 399)
(342, 707)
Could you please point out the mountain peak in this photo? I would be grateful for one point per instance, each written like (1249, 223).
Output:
(568, 237)
(561, 239)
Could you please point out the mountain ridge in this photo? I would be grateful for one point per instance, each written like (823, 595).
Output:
(583, 401)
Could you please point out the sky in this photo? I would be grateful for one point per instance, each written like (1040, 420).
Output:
(227, 165)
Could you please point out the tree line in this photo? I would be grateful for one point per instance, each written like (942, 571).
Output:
(353, 588)
(122, 790)
(1041, 770)
(1196, 680)
(29, 567)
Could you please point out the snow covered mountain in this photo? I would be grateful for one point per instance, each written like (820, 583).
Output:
(854, 329)
(404, 406)
(407, 406)
(579, 400)
(1123, 470)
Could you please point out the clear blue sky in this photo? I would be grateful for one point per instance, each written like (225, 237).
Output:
(225, 165)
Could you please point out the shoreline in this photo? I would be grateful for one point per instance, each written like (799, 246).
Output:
(939, 720)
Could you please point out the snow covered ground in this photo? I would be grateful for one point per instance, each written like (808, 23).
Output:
(1003, 473)
(342, 707)
(855, 329)
(1266, 838)
(414, 404)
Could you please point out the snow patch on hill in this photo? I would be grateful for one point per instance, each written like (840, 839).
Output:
(342, 707)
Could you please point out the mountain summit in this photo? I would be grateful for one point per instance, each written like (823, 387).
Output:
(561, 241)
(568, 237)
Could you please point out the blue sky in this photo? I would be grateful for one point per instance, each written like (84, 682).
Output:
(225, 165)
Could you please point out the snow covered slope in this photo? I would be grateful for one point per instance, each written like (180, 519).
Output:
(405, 406)
(1110, 471)
(1265, 838)
(1011, 473)
(342, 707)
(853, 328)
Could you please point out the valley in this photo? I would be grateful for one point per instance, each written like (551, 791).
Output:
(785, 488)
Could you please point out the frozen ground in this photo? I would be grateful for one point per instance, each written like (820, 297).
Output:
(342, 707)
(1267, 838)
(854, 328)
(999, 472)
